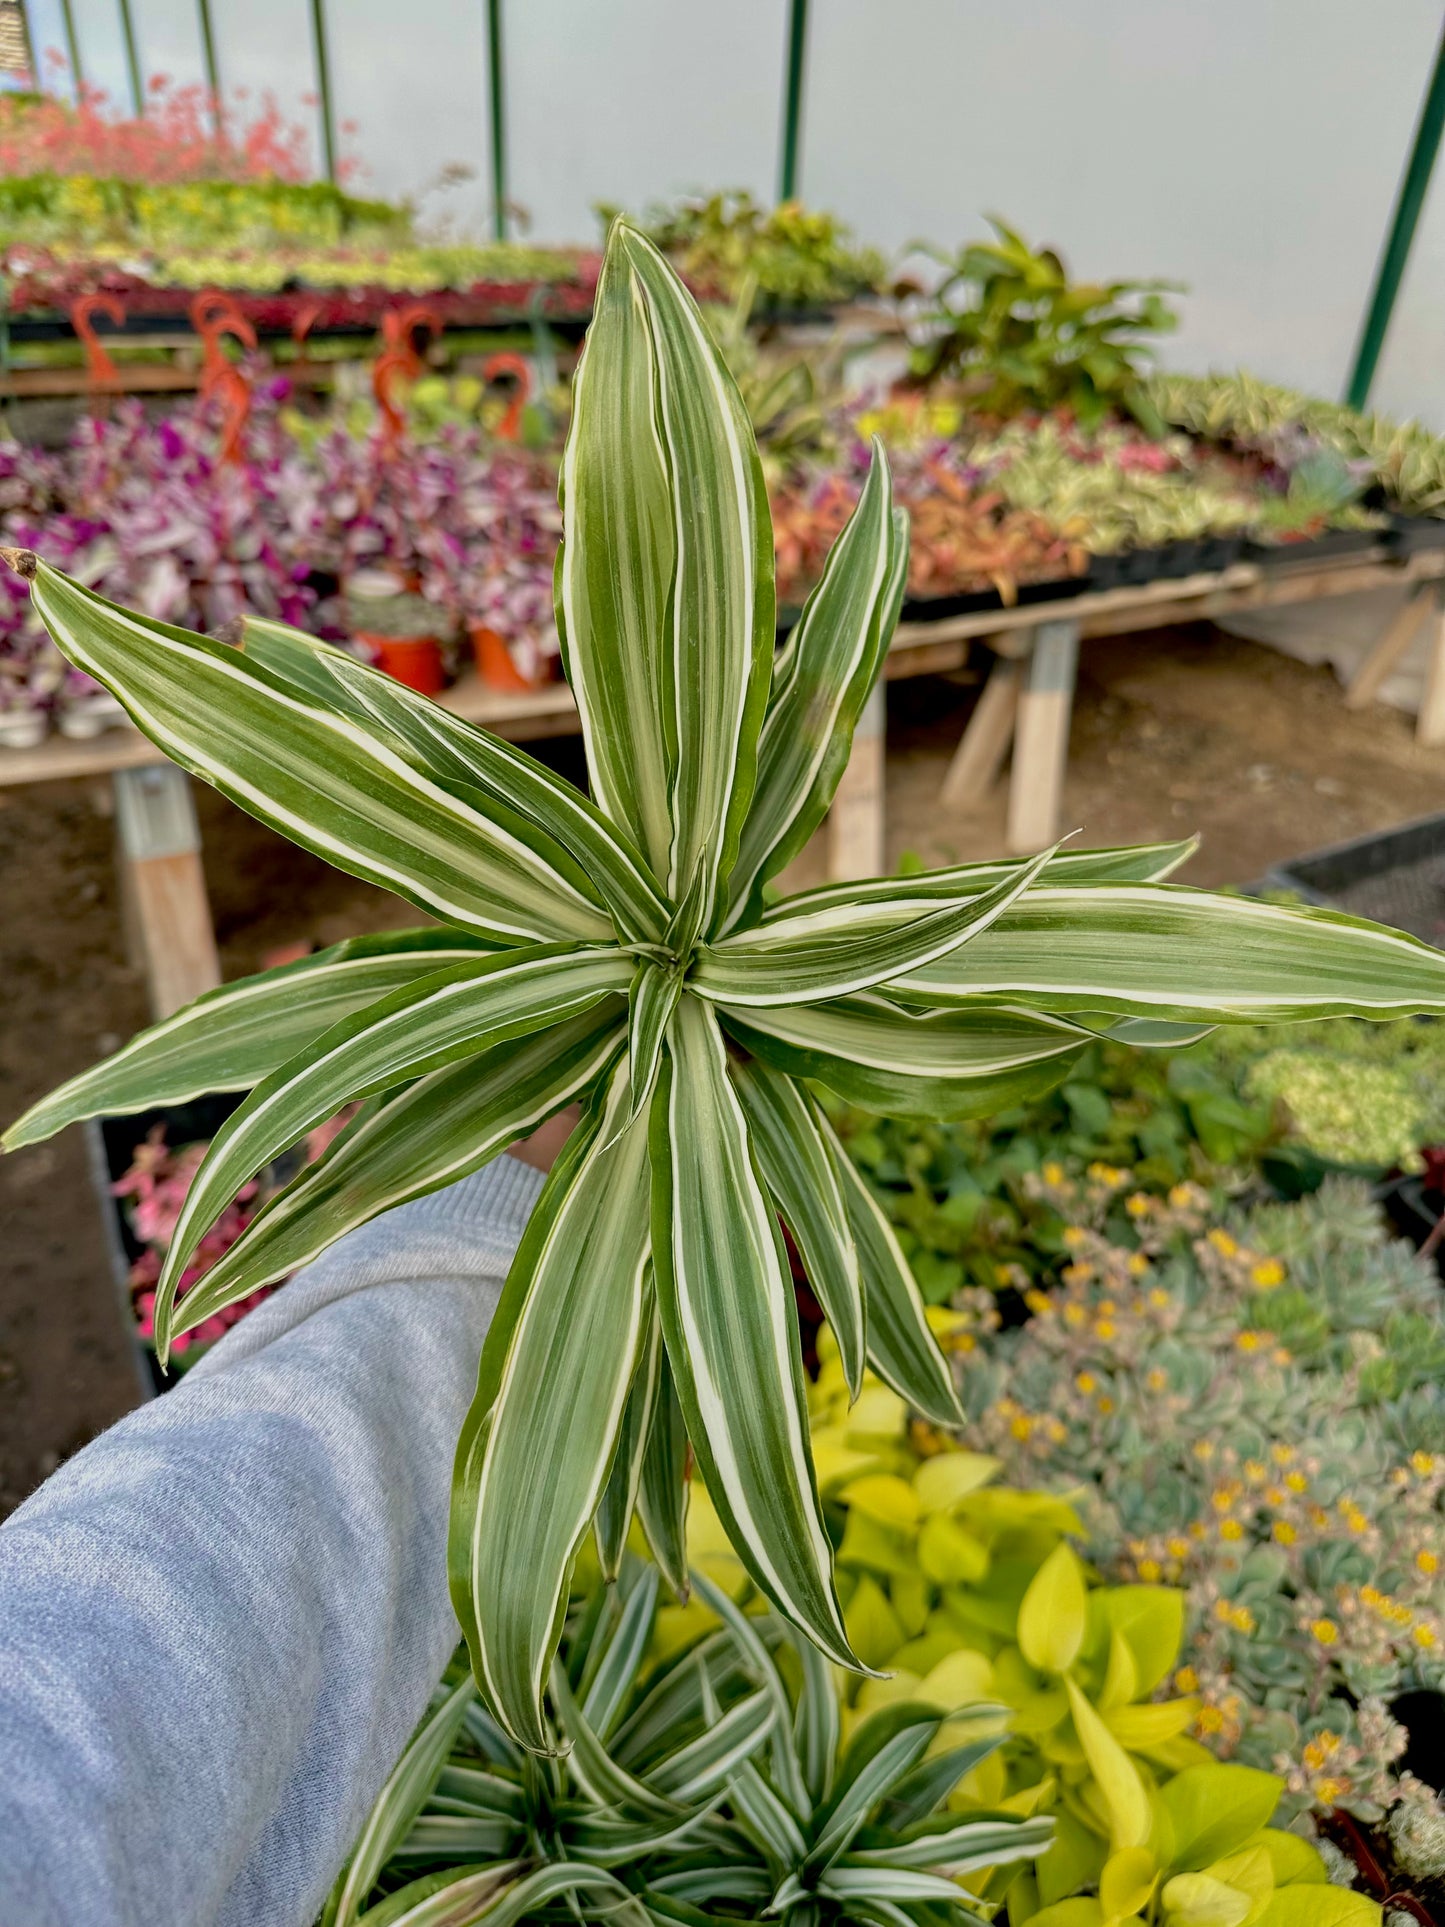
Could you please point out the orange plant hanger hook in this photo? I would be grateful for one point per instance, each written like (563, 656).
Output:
(509, 428)
(214, 314)
(101, 371)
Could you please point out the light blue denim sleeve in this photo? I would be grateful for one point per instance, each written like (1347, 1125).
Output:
(221, 1620)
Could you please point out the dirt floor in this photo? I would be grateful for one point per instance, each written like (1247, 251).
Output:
(1174, 731)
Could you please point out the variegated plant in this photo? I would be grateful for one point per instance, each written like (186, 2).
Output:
(698, 1788)
(623, 951)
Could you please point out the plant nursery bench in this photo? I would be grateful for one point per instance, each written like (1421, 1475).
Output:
(1026, 702)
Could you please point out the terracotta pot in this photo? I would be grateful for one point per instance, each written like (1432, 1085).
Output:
(414, 660)
(494, 660)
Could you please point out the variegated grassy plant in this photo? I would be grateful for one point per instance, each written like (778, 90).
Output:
(622, 950)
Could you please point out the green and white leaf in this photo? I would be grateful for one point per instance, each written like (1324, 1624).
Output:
(663, 1493)
(1162, 951)
(318, 777)
(799, 1174)
(454, 1013)
(229, 1039)
(619, 1497)
(437, 1130)
(905, 1063)
(538, 1442)
(901, 1347)
(400, 1800)
(842, 951)
(821, 681)
(724, 1292)
(1129, 863)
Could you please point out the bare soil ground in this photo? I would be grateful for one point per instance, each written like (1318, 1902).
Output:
(1174, 731)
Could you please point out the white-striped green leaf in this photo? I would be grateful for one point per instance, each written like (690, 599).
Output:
(811, 960)
(397, 1805)
(816, 1724)
(1162, 951)
(758, 1663)
(228, 1039)
(764, 1818)
(472, 1789)
(958, 1063)
(666, 572)
(725, 1880)
(480, 767)
(953, 1845)
(663, 1493)
(461, 1896)
(1131, 863)
(319, 778)
(604, 1782)
(650, 1004)
(853, 1885)
(929, 1784)
(798, 1172)
(437, 1130)
(885, 1747)
(901, 1348)
(616, 1673)
(725, 1296)
(821, 680)
(619, 1498)
(455, 1013)
(455, 1837)
(538, 1442)
(698, 1770)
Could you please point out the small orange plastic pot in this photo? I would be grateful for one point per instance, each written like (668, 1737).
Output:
(414, 660)
(494, 660)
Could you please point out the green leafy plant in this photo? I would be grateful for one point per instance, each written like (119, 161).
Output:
(620, 951)
(1011, 324)
(697, 1780)
(791, 254)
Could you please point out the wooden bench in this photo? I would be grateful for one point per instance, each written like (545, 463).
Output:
(1026, 702)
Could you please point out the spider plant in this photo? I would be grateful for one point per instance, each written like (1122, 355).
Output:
(622, 951)
(700, 1783)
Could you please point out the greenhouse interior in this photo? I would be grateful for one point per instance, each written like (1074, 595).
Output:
(722, 818)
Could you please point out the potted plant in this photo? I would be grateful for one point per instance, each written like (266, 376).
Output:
(623, 950)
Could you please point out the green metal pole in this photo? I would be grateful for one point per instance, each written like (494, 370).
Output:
(793, 98)
(132, 58)
(323, 88)
(209, 61)
(1408, 202)
(72, 46)
(497, 107)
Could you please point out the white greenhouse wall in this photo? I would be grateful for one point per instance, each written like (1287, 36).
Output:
(1250, 148)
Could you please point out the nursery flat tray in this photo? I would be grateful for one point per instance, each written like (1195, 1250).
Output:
(1392, 876)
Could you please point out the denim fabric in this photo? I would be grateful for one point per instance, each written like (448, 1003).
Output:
(221, 1620)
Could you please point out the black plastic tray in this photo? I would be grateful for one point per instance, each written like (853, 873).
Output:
(1317, 548)
(1411, 534)
(113, 1145)
(981, 601)
(1131, 568)
(1394, 876)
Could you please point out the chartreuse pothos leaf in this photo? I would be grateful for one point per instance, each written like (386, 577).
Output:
(397, 1805)
(474, 764)
(665, 579)
(812, 959)
(1135, 863)
(452, 1014)
(799, 1173)
(1053, 1613)
(228, 1039)
(725, 1296)
(821, 680)
(1159, 950)
(318, 777)
(901, 1348)
(436, 1131)
(539, 1440)
(905, 1063)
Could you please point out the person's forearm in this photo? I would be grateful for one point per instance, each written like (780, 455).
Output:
(220, 1621)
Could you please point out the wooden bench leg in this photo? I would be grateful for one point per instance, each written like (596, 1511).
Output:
(1387, 653)
(163, 888)
(1041, 744)
(1430, 725)
(976, 762)
(855, 822)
